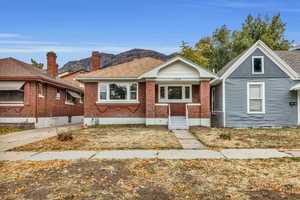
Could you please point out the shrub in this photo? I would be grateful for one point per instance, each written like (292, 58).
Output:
(65, 136)
(225, 136)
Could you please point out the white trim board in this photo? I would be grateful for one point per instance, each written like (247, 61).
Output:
(201, 70)
(262, 64)
(263, 97)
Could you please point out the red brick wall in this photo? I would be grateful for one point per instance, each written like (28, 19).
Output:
(92, 109)
(28, 110)
(47, 106)
(205, 99)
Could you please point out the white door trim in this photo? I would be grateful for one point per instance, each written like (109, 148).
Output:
(298, 106)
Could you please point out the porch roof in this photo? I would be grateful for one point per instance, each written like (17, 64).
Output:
(295, 87)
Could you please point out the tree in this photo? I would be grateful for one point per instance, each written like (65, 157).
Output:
(223, 45)
(36, 64)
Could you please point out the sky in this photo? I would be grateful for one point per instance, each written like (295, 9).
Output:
(75, 28)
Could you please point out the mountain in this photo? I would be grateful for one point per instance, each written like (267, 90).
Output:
(111, 59)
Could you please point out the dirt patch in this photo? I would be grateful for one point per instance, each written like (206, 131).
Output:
(151, 179)
(248, 137)
(109, 137)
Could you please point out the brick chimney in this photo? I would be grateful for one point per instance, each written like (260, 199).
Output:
(52, 66)
(96, 62)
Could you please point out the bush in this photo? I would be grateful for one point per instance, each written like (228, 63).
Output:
(225, 136)
(65, 136)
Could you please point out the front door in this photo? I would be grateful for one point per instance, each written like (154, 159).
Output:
(177, 109)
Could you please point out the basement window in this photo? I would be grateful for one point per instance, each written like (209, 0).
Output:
(257, 65)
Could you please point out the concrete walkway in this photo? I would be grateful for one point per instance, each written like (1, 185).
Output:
(187, 140)
(13, 140)
(147, 154)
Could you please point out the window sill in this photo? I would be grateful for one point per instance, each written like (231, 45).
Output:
(117, 102)
(256, 113)
(68, 103)
(161, 104)
(11, 104)
(41, 96)
(175, 101)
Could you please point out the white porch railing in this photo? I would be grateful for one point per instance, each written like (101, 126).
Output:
(187, 115)
(169, 116)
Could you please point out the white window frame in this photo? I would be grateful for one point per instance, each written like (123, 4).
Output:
(166, 99)
(108, 100)
(68, 102)
(81, 99)
(262, 65)
(213, 96)
(262, 84)
(41, 90)
(57, 96)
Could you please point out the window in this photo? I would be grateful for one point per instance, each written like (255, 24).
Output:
(256, 97)
(70, 99)
(41, 90)
(12, 96)
(257, 65)
(81, 100)
(116, 92)
(57, 94)
(103, 91)
(213, 97)
(175, 93)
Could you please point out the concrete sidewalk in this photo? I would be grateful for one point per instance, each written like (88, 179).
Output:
(13, 140)
(148, 154)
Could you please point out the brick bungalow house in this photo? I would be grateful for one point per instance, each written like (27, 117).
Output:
(147, 91)
(32, 97)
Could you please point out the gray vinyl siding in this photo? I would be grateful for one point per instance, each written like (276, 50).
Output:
(217, 114)
(271, 70)
(278, 112)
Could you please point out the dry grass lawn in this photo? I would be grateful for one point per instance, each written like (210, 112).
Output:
(248, 138)
(5, 131)
(110, 137)
(273, 179)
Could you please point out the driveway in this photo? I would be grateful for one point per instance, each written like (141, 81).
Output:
(25, 137)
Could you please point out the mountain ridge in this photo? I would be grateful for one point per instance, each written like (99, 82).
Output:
(113, 59)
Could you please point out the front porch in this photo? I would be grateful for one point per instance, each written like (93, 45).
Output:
(178, 104)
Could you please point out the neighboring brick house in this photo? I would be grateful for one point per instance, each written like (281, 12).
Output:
(32, 97)
(147, 91)
(71, 77)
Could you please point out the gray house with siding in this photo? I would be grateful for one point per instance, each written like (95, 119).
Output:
(259, 88)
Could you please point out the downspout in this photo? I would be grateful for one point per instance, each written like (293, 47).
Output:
(36, 102)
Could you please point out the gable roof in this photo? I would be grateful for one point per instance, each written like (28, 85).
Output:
(295, 48)
(201, 70)
(13, 69)
(292, 58)
(130, 70)
(233, 64)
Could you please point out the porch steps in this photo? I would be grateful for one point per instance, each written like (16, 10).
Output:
(178, 123)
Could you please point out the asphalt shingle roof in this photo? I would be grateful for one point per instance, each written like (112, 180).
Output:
(131, 69)
(10, 67)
